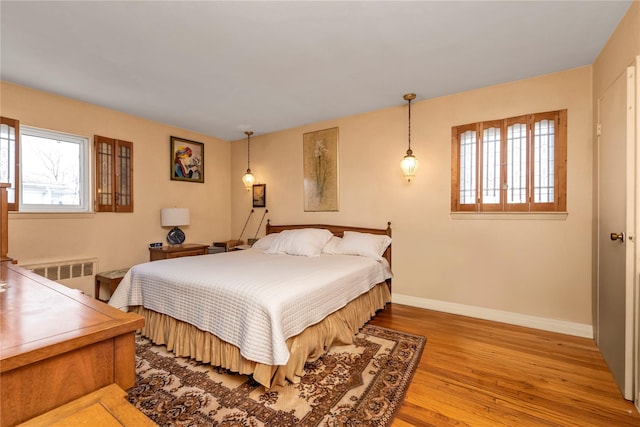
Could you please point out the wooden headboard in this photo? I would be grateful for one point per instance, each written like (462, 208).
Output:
(337, 230)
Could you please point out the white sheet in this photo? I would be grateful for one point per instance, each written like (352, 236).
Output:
(248, 298)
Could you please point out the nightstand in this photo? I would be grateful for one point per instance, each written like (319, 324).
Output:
(228, 245)
(177, 251)
(111, 279)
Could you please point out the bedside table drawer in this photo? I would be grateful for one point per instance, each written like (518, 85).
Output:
(177, 251)
(180, 254)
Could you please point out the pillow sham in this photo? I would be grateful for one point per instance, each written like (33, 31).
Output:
(304, 242)
(331, 247)
(363, 244)
(265, 242)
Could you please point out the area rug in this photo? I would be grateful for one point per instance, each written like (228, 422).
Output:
(361, 384)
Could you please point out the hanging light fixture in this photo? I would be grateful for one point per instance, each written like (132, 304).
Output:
(248, 179)
(409, 163)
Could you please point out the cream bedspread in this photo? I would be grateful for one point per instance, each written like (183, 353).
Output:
(252, 300)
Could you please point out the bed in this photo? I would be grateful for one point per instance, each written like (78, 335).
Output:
(266, 310)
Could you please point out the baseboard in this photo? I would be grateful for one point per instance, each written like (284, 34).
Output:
(552, 325)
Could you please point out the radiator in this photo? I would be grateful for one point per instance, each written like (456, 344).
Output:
(67, 269)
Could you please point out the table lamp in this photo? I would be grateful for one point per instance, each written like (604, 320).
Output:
(174, 217)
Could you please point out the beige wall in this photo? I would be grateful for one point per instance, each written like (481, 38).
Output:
(118, 240)
(534, 266)
(620, 51)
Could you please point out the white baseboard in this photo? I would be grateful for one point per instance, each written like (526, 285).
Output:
(552, 325)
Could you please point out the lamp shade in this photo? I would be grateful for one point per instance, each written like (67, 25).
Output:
(171, 217)
(409, 164)
(248, 179)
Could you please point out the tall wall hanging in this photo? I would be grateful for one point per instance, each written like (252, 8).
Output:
(320, 157)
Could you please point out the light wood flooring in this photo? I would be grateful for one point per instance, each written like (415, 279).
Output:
(480, 373)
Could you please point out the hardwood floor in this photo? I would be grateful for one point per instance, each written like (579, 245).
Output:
(480, 373)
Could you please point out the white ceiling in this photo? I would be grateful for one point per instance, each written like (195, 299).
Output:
(220, 68)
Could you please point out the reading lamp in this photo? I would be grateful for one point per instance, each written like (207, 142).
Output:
(239, 244)
(174, 217)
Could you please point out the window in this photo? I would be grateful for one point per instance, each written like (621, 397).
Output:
(54, 171)
(9, 149)
(114, 175)
(512, 165)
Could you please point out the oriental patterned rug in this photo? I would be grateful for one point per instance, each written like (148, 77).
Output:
(361, 384)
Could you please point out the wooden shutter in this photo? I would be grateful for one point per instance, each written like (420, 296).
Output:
(124, 176)
(491, 166)
(548, 161)
(517, 164)
(10, 153)
(464, 168)
(114, 175)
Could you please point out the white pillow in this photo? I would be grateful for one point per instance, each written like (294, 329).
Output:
(364, 244)
(331, 247)
(304, 241)
(265, 242)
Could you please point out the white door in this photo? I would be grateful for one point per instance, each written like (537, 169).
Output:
(616, 185)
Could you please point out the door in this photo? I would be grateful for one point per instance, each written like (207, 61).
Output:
(616, 185)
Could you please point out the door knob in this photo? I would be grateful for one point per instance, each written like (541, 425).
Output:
(617, 236)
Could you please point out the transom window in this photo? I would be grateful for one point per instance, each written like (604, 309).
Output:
(511, 165)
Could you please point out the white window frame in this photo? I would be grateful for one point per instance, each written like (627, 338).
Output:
(84, 174)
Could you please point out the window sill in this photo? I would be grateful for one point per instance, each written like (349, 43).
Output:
(544, 216)
(51, 215)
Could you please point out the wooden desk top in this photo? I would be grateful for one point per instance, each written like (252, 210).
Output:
(40, 318)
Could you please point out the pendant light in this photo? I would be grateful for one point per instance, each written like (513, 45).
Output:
(409, 163)
(248, 179)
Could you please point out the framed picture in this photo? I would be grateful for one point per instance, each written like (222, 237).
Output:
(259, 195)
(320, 158)
(187, 160)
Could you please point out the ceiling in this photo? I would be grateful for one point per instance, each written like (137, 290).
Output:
(220, 68)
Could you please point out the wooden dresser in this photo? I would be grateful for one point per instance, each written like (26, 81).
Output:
(58, 345)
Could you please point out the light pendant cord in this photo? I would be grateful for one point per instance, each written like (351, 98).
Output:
(245, 225)
(409, 97)
(248, 133)
(409, 125)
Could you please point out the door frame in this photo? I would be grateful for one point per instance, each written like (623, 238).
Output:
(631, 338)
(634, 110)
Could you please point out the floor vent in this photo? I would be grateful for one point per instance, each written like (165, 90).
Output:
(60, 270)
